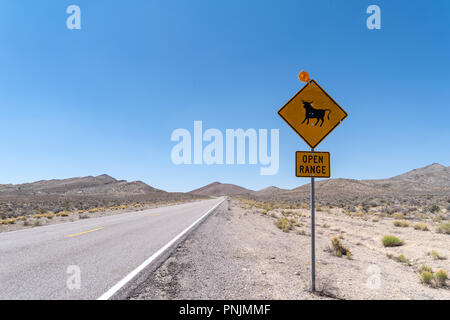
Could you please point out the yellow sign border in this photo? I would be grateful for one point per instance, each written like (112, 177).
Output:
(326, 135)
(314, 152)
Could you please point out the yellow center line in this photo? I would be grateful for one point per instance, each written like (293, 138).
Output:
(78, 234)
(156, 214)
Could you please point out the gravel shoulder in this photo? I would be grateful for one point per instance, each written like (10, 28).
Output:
(232, 255)
(238, 253)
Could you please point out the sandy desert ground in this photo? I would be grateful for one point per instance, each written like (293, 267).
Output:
(240, 253)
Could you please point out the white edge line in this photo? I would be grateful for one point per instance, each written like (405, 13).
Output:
(108, 294)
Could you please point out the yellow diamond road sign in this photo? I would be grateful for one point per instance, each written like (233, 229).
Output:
(312, 113)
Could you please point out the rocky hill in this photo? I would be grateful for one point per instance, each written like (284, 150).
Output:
(220, 189)
(79, 193)
(419, 186)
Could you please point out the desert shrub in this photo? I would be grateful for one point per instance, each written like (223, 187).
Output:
(387, 210)
(421, 226)
(391, 241)
(435, 255)
(401, 223)
(398, 215)
(425, 268)
(401, 258)
(62, 214)
(49, 215)
(441, 276)
(283, 224)
(444, 228)
(426, 277)
(339, 249)
(434, 208)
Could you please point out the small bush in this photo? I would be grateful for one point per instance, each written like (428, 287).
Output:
(434, 208)
(421, 226)
(392, 241)
(444, 228)
(398, 215)
(62, 214)
(49, 215)
(441, 276)
(283, 224)
(436, 255)
(401, 223)
(339, 249)
(425, 268)
(401, 258)
(426, 277)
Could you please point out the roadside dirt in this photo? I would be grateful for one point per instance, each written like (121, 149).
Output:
(239, 253)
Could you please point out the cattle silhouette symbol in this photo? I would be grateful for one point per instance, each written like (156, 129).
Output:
(313, 113)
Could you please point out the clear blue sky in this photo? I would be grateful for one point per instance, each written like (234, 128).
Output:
(106, 98)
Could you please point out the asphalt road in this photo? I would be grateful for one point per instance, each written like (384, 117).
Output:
(39, 263)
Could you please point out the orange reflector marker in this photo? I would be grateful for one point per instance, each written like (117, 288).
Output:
(303, 76)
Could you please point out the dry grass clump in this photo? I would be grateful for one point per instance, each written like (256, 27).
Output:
(421, 226)
(436, 280)
(62, 214)
(8, 221)
(401, 223)
(338, 248)
(392, 241)
(400, 258)
(441, 277)
(444, 228)
(284, 224)
(435, 255)
(398, 215)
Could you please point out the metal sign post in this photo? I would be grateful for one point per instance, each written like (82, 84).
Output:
(313, 115)
(313, 237)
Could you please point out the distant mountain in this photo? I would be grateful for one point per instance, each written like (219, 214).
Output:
(80, 193)
(99, 185)
(220, 189)
(419, 185)
(269, 192)
(435, 175)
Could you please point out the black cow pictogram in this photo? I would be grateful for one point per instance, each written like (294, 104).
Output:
(313, 113)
